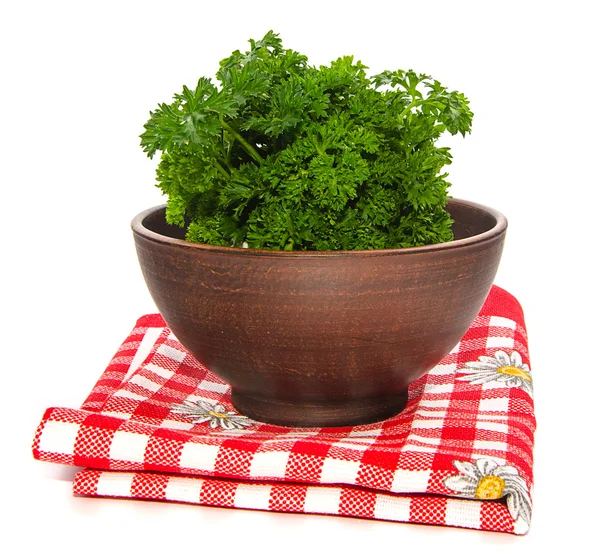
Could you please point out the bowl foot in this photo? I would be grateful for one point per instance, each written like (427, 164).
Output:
(319, 413)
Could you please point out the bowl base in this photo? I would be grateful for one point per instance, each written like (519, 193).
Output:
(318, 413)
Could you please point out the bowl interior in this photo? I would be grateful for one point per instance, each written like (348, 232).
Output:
(155, 222)
(469, 220)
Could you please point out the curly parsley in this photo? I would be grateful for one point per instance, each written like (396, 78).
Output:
(283, 155)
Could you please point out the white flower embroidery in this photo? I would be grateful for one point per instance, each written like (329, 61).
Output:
(503, 368)
(486, 479)
(203, 411)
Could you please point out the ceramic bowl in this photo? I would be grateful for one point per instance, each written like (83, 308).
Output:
(321, 338)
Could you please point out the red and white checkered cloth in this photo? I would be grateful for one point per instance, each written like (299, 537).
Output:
(158, 425)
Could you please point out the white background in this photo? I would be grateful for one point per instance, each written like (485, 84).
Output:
(78, 81)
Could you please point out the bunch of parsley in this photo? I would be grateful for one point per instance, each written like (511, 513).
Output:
(283, 155)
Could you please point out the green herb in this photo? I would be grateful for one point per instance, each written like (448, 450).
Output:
(283, 155)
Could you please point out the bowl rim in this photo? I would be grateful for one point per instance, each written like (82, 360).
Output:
(498, 230)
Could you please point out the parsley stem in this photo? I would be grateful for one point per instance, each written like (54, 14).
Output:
(247, 147)
(226, 151)
(414, 103)
(221, 170)
(227, 160)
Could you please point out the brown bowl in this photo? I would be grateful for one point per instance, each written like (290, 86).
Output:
(321, 338)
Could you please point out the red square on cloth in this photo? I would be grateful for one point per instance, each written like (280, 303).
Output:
(159, 425)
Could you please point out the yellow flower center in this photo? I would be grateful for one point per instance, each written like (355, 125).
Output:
(490, 487)
(218, 415)
(514, 371)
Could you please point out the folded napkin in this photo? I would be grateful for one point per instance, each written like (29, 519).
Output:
(159, 425)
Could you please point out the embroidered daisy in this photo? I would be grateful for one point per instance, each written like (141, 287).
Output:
(203, 411)
(485, 479)
(503, 368)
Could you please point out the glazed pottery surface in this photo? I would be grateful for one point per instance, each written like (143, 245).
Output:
(321, 338)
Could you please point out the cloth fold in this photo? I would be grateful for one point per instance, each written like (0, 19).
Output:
(159, 425)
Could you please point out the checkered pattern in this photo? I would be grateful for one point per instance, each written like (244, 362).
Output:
(133, 444)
